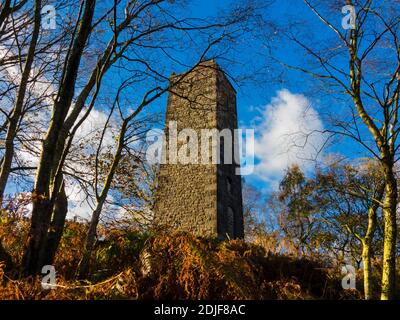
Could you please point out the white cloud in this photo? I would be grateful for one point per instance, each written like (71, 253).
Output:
(13, 74)
(87, 136)
(90, 130)
(78, 204)
(288, 131)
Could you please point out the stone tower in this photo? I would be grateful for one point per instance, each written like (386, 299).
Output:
(204, 199)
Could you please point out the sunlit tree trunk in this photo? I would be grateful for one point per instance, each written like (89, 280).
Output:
(390, 232)
(367, 242)
(366, 257)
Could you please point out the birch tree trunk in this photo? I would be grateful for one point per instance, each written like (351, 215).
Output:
(367, 241)
(390, 233)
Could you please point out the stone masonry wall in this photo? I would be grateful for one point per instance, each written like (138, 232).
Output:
(195, 197)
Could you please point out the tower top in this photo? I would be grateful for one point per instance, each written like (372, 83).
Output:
(209, 64)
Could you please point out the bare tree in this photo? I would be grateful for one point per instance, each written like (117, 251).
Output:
(16, 113)
(136, 31)
(123, 139)
(364, 63)
(355, 192)
(6, 10)
(45, 180)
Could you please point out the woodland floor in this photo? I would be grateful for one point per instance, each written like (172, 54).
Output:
(132, 265)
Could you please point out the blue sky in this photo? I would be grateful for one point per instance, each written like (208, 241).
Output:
(266, 97)
(271, 96)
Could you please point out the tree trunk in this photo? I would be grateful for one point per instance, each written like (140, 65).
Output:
(390, 231)
(56, 226)
(366, 257)
(43, 194)
(367, 240)
(17, 110)
(83, 267)
(6, 258)
(6, 10)
(91, 236)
